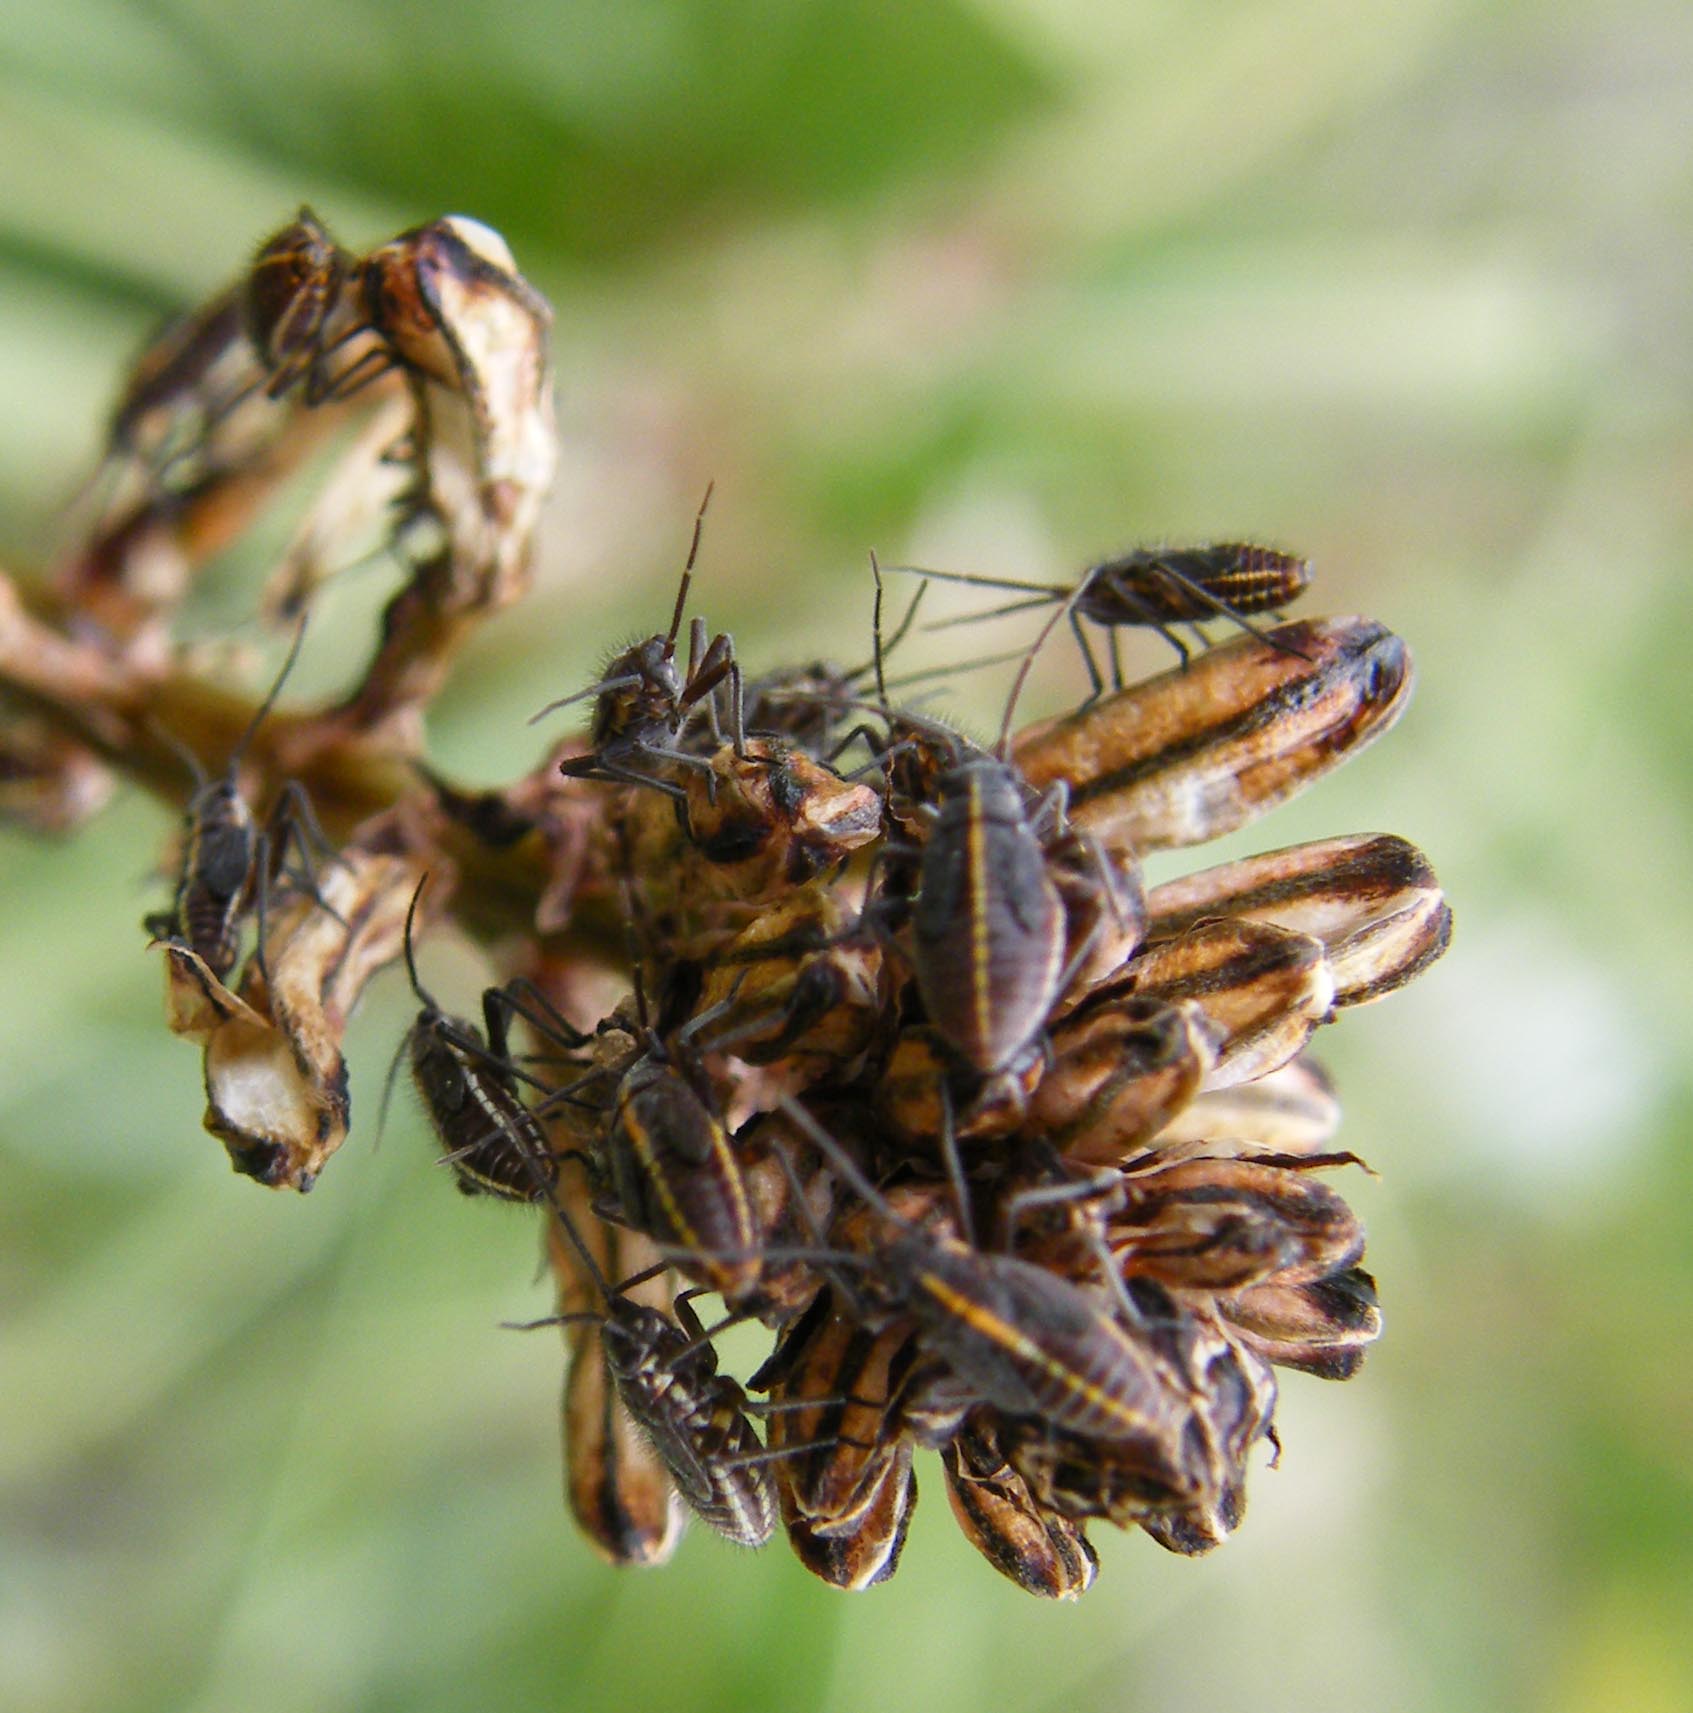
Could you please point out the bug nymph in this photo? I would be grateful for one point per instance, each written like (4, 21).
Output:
(1152, 587)
(671, 1168)
(468, 1085)
(643, 705)
(230, 861)
(294, 305)
(1026, 1340)
(665, 1372)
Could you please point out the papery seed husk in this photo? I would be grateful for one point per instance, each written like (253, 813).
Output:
(908, 1097)
(1043, 1553)
(1228, 1224)
(1371, 899)
(1104, 899)
(1119, 1074)
(1264, 988)
(1204, 749)
(616, 1484)
(1321, 1327)
(829, 1358)
(868, 1553)
(1291, 1110)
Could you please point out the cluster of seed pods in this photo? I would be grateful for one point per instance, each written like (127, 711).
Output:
(807, 1001)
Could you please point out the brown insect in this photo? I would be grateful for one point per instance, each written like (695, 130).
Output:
(229, 860)
(665, 1371)
(1028, 1341)
(296, 307)
(469, 1087)
(642, 705)
(1155, 587)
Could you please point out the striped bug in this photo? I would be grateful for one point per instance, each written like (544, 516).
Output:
(1155, 587)
(665, 1371)
(229, 859)
(468, 1084)
(642, 704)
(294, 307)
(1028, 1341)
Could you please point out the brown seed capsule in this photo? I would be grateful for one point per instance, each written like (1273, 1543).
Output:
(867, 1553)
(922, 1081)
(1227, 1225)
(1043, 1553)
(835, 1387)
(797, 988)
(1236, 1409)
(1194, 754)
(1288, 1111)
(616, 1484)
(768, 819)
(1119, 1073)
(1372, 900)
(1264, 989)
(1320, 1328)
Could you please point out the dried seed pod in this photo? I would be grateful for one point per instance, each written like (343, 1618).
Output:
(760, 822)
(793, 1196)
(1321, 1327)
(796, 987)
(1043, 1553)
(834, 1388)
(1196, 753)
(1372, 900)
(1263, 988)
(1119, 1073)
(449, 300)
(1237, 1409)
(1104, 901)
(1290, 1110)
(276, 1081)
(867, 1553)
(1226, 1225)
(616, 1484)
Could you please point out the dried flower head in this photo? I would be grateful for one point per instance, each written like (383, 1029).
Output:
(1020, 1159)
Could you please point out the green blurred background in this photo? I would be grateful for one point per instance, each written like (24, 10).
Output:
(994, 284)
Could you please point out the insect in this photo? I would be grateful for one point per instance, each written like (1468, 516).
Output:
(1028, 1341)
(230, 860)
(643, 705)
(665, 1371)
(294, 307)
(1158, 587)
(670, 1166)
(468, 1085)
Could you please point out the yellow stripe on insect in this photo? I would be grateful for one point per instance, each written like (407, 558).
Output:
(1007, 1336)
(981, 969)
